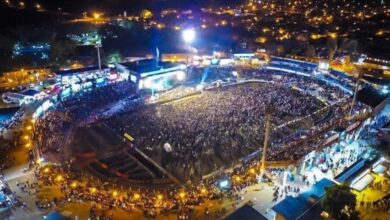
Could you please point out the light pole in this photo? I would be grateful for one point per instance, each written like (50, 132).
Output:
(98, 46)
(266, 142)
(354, 98)
(188, 36)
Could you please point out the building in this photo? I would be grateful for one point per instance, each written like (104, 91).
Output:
(85, 78)
(306, 206)
(153, 74)
(177, 57)
(246, 212)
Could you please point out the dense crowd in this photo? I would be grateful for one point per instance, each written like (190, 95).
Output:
(207, 129)
(382, 203)
(75, 109)
(199, 133)
(8, 143)
(213, 128)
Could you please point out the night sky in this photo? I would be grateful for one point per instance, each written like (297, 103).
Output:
(118, 6)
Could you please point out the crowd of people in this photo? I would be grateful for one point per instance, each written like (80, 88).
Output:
(12, 121)
(199, 133)
(382, 203)
(77, 108)
(205, 130)
(77, 187)
(8, 142)
(4, 200)
(213, 128)
(191, 133)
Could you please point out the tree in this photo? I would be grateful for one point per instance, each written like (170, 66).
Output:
(62, 50)
(6, 47)
(383, 147)
(310, 51)
(340, 203)
(114, 57)
(280, 50)
(349, 46)
(331, 44)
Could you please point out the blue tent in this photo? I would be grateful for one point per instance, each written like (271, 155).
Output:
(306, 205)
(55, 215)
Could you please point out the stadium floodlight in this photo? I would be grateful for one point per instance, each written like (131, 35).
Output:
(180, 75)
(147, 83)
(158, 86)
(200, 87)
(188, 35)
(224, 184)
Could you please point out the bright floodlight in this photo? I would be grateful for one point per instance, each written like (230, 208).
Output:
(180, 75)
(188, 35)
(223, 183)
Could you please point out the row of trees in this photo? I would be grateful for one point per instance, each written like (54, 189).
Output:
(62, 49)
(332, 46)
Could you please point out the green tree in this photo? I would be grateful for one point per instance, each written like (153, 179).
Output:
(6, 47)
(310, 51)
(340, 203)
(383, 148)
(114, 57)
(62, 50)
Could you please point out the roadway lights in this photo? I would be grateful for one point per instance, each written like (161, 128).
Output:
(96, 15)
(188, 35)
(40, 161)
(137, 196)
(182, 195)
(59, 178)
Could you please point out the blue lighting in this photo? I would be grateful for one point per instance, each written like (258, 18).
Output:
(223, 183)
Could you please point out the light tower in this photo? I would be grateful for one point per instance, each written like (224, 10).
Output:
(188, 36)
(98, 46)
(358, 73)
(266, 140)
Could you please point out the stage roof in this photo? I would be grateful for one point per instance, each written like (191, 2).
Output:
(246, 212)
(147, 65)
(80, 70)
(306, 205)
(318, 189)
(351, 171)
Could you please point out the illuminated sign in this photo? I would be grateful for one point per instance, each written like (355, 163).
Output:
(128, 137)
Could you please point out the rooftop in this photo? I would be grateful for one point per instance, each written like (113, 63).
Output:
(246, 212)
(147, 65)
(80, 70)
(306, 205)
